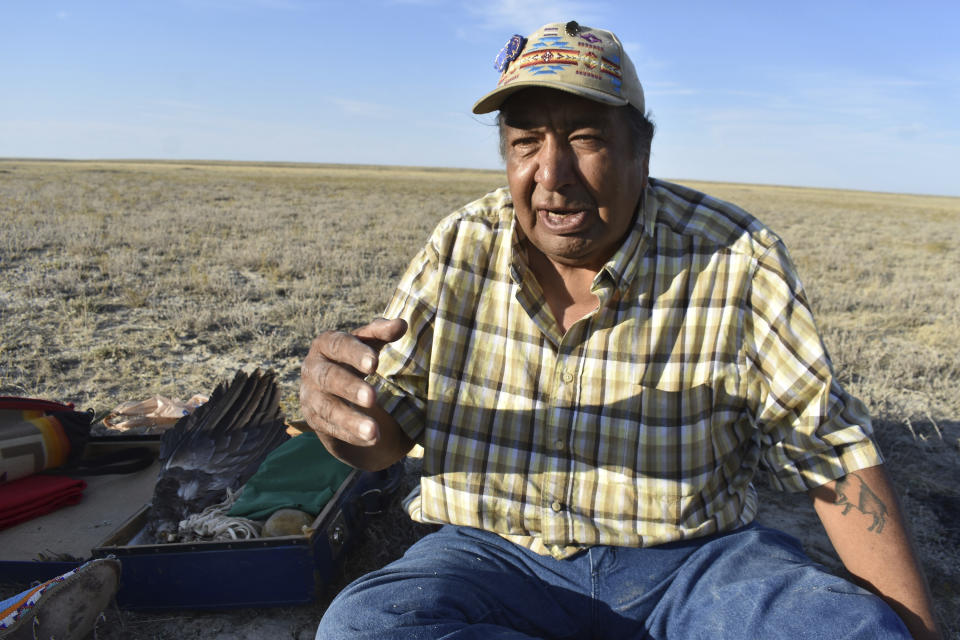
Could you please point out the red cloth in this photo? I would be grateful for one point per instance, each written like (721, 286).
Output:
(36, 495)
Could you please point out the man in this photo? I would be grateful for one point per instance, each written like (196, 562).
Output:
(596, 363)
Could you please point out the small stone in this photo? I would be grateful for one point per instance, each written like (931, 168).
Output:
(287, 522)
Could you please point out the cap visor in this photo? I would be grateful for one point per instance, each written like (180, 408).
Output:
(493, 100)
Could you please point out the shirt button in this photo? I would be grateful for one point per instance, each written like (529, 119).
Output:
(558, 445)
(556, 506)
(567, 377)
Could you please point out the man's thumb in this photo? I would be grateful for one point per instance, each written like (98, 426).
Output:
(381, 331)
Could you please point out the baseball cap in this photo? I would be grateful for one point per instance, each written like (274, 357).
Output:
(581, 60)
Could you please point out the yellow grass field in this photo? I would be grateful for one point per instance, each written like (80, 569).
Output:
(124, 280)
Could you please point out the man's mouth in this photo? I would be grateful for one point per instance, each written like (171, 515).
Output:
(563, 220)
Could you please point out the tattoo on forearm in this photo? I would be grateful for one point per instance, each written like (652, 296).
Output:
(868, 503)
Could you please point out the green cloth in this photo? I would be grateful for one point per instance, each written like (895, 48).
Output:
(299, 474)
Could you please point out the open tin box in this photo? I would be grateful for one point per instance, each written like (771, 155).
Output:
(262, 571)
(196, 575)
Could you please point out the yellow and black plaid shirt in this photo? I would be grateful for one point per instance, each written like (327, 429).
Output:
(646, 420)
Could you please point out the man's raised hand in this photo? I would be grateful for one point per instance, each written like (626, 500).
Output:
(340, 405)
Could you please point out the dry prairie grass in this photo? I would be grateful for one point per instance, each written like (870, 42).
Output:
(125, 280)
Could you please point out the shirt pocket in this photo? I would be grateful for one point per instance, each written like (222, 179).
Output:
(675, 449)
(674, 454)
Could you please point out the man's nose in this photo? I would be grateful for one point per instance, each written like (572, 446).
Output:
(555, 164)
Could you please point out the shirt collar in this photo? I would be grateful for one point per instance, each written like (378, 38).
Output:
(622, 267)
(518, 255)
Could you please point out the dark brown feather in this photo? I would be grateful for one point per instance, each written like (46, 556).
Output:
(219, 446)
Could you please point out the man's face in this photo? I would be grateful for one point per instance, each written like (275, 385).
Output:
(573, 174)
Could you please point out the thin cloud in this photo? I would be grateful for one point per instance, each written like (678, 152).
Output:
(181, 105)
(245, 5)
(872, 103)
(910, 130)
(642, 60)
(851, 101)
(363, 109)
(526, 15)
(667, 89)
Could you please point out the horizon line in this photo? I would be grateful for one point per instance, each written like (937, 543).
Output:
(308, 164)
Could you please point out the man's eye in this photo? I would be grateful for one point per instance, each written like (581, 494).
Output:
(585, 137)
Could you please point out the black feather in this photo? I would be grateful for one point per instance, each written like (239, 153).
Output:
(219, 446)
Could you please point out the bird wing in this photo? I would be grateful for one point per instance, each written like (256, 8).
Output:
(220, 445)
(231, 432)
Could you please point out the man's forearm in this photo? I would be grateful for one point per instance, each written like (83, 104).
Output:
(863, 519)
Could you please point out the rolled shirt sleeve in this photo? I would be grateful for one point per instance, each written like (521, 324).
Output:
(812, 430)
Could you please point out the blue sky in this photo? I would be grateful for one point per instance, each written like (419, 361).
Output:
(861, 95)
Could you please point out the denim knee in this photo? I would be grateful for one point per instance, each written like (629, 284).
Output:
(449, 583)
(758, 583)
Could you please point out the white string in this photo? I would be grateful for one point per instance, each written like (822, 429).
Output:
(213, 523)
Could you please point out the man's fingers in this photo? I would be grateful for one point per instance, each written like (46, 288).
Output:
(333, 392)
(342, 348)
(361, 348)
(330, 395)
(381, 331)
(327, 376)
(329, 415)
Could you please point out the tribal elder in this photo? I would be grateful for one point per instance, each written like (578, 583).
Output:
(596, 364)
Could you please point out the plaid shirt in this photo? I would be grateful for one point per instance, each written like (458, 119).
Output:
(643, 423)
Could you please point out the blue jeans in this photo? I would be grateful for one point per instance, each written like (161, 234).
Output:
(755, 582)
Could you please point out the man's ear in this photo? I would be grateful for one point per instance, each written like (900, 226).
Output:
(645, 168)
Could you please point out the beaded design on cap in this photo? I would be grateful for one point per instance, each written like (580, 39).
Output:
(509, 52)
(569, 57)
